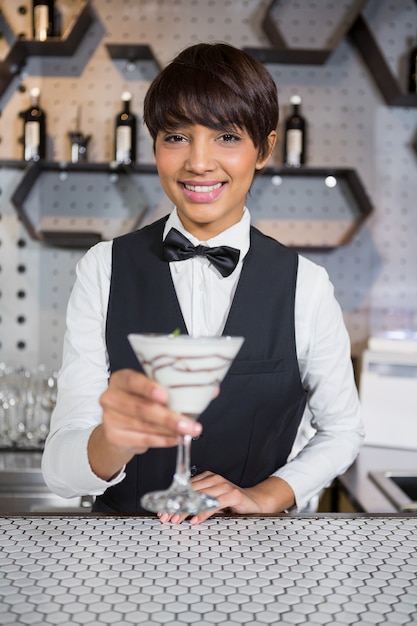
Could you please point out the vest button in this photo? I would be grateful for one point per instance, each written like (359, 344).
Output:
(193, 470)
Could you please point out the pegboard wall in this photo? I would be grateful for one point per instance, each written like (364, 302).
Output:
(350, 126)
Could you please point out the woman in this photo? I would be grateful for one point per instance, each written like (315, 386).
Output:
(212, 114)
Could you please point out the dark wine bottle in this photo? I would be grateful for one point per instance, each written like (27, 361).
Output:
(34, 129)
(43, 19)
(295, 136)
(79, 141)
(125, 132)
(412, 71)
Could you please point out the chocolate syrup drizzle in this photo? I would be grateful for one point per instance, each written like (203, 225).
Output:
(179, 364)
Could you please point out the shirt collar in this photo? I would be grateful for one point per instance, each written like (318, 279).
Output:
(236, 236)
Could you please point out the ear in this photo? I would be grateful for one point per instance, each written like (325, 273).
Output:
(272, 139)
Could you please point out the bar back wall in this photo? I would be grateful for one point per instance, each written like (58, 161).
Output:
(364, 137)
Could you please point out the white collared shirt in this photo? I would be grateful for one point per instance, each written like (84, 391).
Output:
(331, 432)
(204, 295)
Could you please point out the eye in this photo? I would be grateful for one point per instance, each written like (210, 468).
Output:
(174, 138)
(229, 137)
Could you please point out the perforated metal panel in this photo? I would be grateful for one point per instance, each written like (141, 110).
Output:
(226, 571)
(349, 126)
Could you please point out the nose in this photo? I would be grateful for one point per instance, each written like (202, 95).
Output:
(200, 158)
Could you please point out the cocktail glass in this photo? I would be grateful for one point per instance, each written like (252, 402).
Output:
(191, 369)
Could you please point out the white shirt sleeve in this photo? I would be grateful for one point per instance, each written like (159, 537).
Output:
(324, 356)
(82, 379)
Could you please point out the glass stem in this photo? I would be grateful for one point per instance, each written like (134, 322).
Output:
(182, 471)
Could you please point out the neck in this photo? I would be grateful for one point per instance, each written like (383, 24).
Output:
(205, 231)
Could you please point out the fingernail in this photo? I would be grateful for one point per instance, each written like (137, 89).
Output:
(188, 427)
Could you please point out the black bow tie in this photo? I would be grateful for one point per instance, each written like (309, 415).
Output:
(179, 248)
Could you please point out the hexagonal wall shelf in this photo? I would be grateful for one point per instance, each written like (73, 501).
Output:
(57, 229)
(379, 69)
(20, 49)
(338, 229)
(322, 210)
(133, 54)
(282, 53)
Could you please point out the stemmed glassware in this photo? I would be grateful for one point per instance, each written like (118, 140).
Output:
(27, 398)
(191, 369)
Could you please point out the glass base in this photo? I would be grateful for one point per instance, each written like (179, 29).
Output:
(174, 501)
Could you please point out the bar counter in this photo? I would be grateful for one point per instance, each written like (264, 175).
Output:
(124, 570)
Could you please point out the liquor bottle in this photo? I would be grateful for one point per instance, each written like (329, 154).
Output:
(43, 19)
(295, 136)
(79, 142)
(125, 132)
(412, 71)
(34, 129)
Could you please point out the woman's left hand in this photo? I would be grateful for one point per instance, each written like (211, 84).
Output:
(266, 497)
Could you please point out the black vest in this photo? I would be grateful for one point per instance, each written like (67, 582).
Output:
(249, 429)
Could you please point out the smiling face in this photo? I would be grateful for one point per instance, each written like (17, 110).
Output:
(207, 174)
(212, 114)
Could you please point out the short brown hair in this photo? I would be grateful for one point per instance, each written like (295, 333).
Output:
(215, 85)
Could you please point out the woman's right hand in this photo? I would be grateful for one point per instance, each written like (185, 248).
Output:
(135, 418)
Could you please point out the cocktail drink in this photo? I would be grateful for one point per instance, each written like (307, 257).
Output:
(191, 369)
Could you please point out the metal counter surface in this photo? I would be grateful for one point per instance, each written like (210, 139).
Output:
(118, 570)
(23, 489)
(365, 495)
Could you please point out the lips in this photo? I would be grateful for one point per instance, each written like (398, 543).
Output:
(203, 192)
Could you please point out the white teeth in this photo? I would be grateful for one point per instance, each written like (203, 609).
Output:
(202, 188)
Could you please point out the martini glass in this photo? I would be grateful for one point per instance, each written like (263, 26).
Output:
(191, 369)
